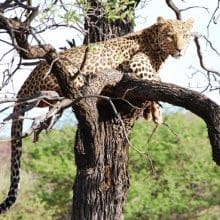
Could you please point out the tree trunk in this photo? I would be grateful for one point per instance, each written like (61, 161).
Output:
(101, 153)
(99, 28)
(101, 148)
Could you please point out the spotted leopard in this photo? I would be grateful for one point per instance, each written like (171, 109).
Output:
(141, 53)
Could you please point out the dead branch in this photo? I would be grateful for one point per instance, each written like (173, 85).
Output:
(192, 7)
(213, 15)
(48, 95)
(200, 56)
(176, 10)
(42, 122)
(33, 101)
(47, 121)
(20, 31)
(210, 44)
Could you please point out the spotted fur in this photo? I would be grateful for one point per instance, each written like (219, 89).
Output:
(141, 54)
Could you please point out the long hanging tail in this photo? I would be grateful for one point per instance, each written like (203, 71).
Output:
(36, 82)
(16, 152)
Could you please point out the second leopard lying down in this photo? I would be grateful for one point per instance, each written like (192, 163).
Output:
(141, 53)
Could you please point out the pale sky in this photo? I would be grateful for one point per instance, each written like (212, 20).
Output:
(178, 71)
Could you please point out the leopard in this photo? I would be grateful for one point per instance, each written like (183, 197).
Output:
(141, 54)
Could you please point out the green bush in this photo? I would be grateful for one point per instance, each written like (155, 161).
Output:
(52, 159)
(176, 174)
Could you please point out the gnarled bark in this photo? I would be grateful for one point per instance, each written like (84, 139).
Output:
(196, 102)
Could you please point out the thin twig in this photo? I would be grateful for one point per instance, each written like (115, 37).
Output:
(200, 55)
(176, 10)
(172, 131)
(152, 133)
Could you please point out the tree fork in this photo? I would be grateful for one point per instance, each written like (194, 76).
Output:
(101, 147)
(101, 153)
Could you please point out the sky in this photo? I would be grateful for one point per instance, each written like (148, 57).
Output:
(178, 71)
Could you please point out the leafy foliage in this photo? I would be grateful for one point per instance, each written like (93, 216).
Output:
(182, 178)
(52, 159)
(174, 176)
(119, 10)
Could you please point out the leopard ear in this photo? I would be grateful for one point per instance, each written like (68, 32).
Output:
(190, 21)
(161, 20)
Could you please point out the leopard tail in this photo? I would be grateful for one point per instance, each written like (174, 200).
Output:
(16, 152)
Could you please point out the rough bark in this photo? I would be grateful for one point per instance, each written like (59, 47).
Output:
(101, 148)
(101, 153)
(99, 28)
(196, 102)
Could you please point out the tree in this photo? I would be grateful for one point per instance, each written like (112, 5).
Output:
(106, 112)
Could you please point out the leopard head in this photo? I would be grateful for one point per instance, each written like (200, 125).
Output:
(173, 35)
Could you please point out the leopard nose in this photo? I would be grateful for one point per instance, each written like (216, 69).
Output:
(180, 44)
(180, 47)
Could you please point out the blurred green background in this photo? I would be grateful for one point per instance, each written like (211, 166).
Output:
(174, 177)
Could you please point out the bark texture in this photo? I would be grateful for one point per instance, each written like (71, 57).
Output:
(101, 153)
(196, 102)
(101, 148)
(98, 27)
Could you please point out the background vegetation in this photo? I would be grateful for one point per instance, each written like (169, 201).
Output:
(173, 178)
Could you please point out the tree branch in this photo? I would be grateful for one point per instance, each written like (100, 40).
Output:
(195, 102)
(135, 92)
(176, 10)
(200, 55)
